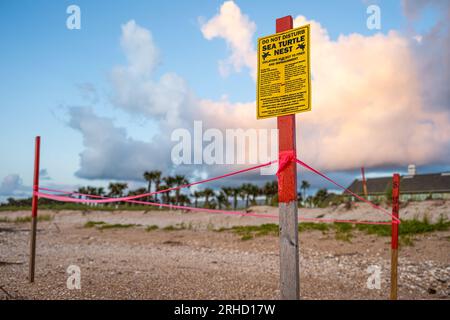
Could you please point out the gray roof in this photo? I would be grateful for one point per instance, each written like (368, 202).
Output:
(419, 183)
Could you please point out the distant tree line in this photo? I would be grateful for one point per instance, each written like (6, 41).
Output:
(224, 197)
(221, 198)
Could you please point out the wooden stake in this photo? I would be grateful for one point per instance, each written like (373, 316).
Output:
(394, 234)
(34, 211)
(364, 182)
(287, 198)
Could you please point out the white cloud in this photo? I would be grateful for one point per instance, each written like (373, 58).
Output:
(12, 186)
(368, 105)
(237, 30)
(134, 88)
(432, 51)
(413, 9)
(418, 38)
(109, 153)
(142, 54)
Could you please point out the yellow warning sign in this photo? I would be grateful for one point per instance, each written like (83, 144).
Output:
(284, 77)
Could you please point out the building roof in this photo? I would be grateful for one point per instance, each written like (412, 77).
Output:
(419, 183)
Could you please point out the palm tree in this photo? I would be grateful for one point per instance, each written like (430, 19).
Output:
(235, 192)
(91, 190)
(310, 201)
(207, 193)
(270, 189)
(100, 191)
(179, 180)
(250, 190)
(81, 190)
(305, 185)
(196, 195)
(320, 197)
(228, 192)
(243, 194)
(184, 200)
(169, 183)
(136, 192)
(212, 204)
(299, 198)
(121, 188)
(157, 180)
(116, 189)
(149, 176)
(165, 195)
(254, 191)
(222, 199)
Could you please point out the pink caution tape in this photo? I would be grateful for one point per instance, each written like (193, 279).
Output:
(61, 198)
(346, 190)
(344, 221)
(284, 159)
(73, 200)
(125, 199)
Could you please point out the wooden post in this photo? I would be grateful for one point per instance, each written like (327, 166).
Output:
(34, 210)
(287, 198)
(364, 182)
(394, 234)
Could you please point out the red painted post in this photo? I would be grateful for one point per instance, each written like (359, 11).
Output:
(394, 234)
(34, 210)
(287, 198)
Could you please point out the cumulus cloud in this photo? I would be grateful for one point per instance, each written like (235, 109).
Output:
(377, 100)
(109, 153)
(134, 88)
(368, 103)
(433, 51)
(368, 106)
(414, 8)
(383, 98)
(168, 100)
(237, 30)
(142, 54)
(12, 186)
(88, 92)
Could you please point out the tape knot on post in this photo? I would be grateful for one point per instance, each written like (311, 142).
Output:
(284, 159)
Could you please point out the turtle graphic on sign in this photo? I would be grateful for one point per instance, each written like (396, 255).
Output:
(265, 55)
(301, 46)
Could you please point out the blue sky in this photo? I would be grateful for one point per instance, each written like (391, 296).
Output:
(43, 66)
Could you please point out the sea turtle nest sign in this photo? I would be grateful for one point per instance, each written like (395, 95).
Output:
(284, 76)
